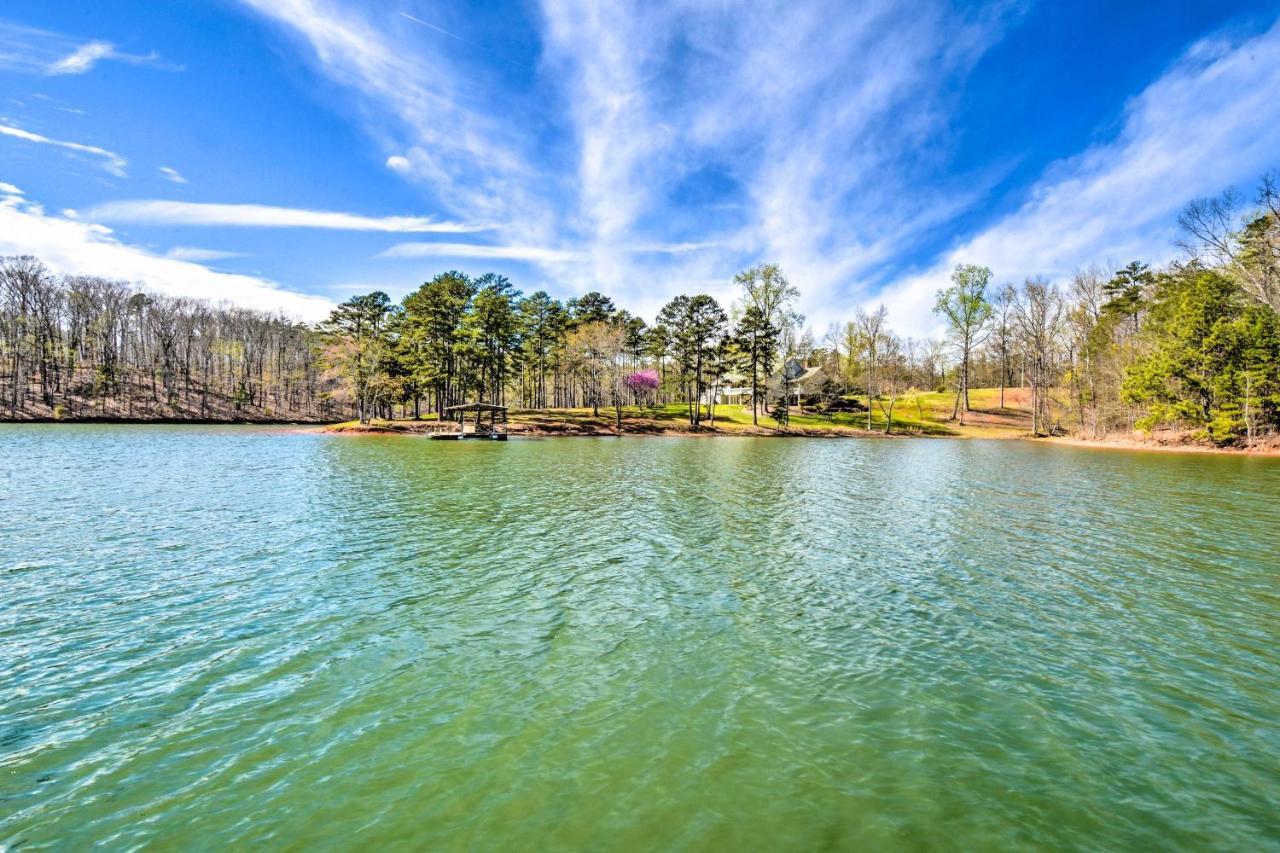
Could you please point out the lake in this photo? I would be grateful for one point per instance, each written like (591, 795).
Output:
(216, 636)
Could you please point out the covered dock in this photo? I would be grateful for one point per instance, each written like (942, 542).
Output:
(493, 430)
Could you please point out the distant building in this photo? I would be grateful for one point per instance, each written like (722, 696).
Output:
(729, 391)
(734, 389)
(805, 381)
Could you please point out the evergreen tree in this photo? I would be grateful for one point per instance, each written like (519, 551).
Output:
(697, 326)
(1215, 357)
(756, 341)
(361, 345)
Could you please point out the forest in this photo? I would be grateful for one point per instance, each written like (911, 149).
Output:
(1193, 346)
(84, 347)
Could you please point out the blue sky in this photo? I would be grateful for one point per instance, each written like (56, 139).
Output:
(289, 153)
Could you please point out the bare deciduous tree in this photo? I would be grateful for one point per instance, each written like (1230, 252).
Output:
(1039, 317)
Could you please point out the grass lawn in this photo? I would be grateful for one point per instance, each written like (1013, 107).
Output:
(917, 413)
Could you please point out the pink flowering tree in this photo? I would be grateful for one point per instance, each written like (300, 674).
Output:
(643, 384)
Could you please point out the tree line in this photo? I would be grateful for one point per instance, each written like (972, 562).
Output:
(457, 339)
(1195, 346)
(85, 347)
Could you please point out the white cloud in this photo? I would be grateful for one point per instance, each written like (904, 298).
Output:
(173, 175)
(1205, 124)
(472, 250)
(193, 253)
(675, 248)
(109, 160)
(9, 189)
(83, 59)
(78, 247)
(829, 165)
(422, 90)
(463, 142)
(266, 216)
(28, 50)
(659, 93)
(86, 56)
(533, 254)
(57, 104)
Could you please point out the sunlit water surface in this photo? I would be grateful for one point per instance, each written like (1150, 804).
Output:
(241, 636)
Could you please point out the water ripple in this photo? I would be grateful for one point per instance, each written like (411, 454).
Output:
(240, 637)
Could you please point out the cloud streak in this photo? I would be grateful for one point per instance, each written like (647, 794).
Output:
(810, 133)
(29, 50)
(157, 212)
(461, 148)
(1198, 128)
(109, 160)
(85, 57)
(533, 254)
(472, 250)
(806, 154)
(193, 253)
(76, 247)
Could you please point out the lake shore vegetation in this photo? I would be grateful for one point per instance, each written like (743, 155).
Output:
(1188, 353)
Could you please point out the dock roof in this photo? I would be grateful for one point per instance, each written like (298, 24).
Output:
(476, 407)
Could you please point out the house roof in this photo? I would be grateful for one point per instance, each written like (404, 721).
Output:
(805, 375)
(811, 373)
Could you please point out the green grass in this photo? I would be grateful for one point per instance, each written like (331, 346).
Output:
(916, 413)
(738, 418)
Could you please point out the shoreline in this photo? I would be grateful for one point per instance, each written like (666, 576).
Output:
(563, 428)
(425, 428)
(173, 421)
(1158, 446)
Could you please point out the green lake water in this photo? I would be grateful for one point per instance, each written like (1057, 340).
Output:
(245, 637)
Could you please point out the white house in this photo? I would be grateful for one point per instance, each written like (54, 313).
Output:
(730, 390)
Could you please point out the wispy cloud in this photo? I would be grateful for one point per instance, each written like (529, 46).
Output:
(109, 160)
(690, 140)
(533, 254)
(171, 174)
(462, 149)
(76, 246)
(155, 212)
(809, 152)
(30, 50)
(55, 103)
(473, 250)
(85, 57)
(193, 253)
(1200, 127)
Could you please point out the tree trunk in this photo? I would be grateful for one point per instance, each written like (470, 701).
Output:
(755, 395)
(1002, 361)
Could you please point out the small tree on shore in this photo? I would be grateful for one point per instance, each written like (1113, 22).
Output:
(1039, 317)
(871, 338)
(964, 305)
(781, 413)
(894, 372)
(643, 385)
